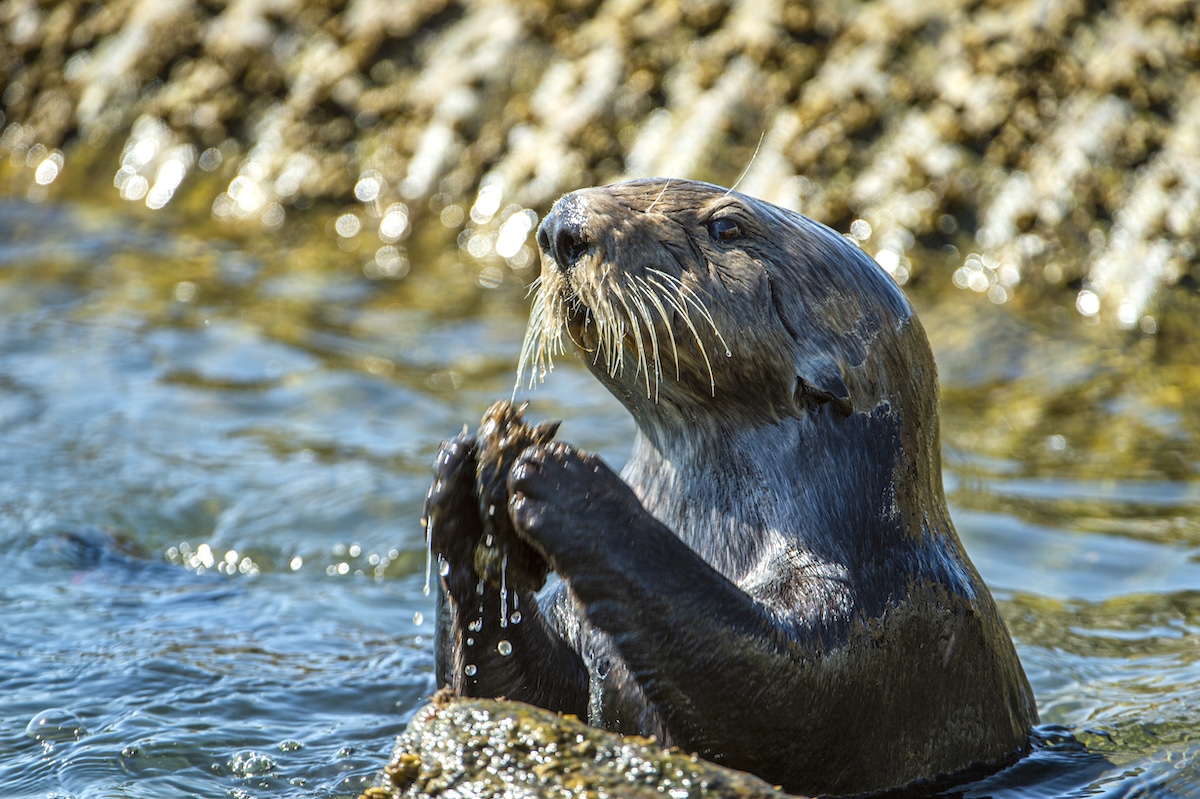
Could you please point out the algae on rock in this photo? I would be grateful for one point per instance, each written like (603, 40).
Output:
(488, 747)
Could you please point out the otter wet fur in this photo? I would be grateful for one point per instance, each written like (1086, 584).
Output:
(774, 580)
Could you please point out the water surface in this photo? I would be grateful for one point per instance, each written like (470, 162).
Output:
(214, 450)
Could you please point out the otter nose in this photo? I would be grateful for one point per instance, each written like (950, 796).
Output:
(562, 234)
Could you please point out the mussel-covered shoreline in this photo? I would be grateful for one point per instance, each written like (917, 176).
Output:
(1026, 148)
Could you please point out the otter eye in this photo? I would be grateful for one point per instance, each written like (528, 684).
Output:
(724, 229)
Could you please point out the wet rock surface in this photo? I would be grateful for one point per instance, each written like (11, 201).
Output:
(1012, 146)
(487, 747)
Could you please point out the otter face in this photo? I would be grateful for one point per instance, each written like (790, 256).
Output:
(676, 292)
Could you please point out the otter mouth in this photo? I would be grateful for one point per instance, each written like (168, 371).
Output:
(640, 328)
(584, 334)
(561, 313)
(632, 321)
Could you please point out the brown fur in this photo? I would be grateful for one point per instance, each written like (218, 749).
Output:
(774, 580)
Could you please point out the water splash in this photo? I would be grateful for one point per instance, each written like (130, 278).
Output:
(251, 763)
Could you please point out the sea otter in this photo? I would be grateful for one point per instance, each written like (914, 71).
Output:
(774, 580)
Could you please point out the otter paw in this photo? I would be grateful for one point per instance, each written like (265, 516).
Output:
(453, 472)
(451, 520)
(561, 500)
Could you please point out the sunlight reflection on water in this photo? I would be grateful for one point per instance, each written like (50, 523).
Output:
(212, 553)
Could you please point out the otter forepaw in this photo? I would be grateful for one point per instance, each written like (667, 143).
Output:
(562, 500)
(451, 519)
(448, 467)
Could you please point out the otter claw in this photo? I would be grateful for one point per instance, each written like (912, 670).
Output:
(558, 499)
(452, 453)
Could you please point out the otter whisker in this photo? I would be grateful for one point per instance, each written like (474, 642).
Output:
(686, 316)
(603, 348)
(534, 334)
(650, 207)
(546, 344)
(648, 291)
(637, 298)
(598, 316)
(609, 333)
(693, 299)
(690, 295)
(655, 304)
(543, 336)
(588, 319)
(533, 287)
(635, 329)
(746, 171)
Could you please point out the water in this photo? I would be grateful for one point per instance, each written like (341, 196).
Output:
(214, 453)
(209, 507)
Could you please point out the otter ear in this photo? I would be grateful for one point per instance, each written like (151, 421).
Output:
(819, 382)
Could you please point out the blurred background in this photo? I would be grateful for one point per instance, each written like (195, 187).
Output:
(258, 258)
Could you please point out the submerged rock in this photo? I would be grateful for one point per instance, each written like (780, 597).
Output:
(488, 747)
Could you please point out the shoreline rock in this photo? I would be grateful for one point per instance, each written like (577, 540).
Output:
(1018, 148)
(487, 747)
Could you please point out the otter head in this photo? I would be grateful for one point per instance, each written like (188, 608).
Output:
(683, 297)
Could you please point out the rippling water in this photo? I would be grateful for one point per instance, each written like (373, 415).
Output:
(213, 457)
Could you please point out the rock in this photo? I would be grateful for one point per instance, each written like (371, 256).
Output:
(488, 747)
(1023, 148)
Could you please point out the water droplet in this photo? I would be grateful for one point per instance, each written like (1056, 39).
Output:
(469, 670)
(55, 724)
(491, 511)
(443, 566)
(429, 556)
(418, 618)
(504, 590)
(487, 540)
(470, 642)
(475, 626)
(504, 648)
(515, 618)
